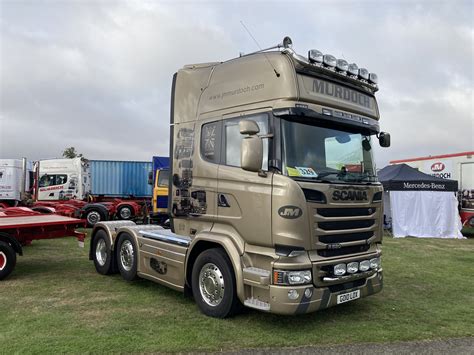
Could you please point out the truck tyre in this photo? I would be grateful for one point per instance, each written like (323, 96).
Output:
(102, 254)
(127, 255)
(94, 216)
(125, 213)
(7, 260)
(213, 284)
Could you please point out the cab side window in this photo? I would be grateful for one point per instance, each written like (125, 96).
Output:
(51, 180)
(211, 141)
(163, 178)
(233, 139)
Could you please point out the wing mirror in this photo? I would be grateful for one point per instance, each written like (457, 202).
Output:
(384, 139)
(251, 149)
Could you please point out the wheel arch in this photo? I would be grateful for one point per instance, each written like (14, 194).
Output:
(207, 240)
(15, 244)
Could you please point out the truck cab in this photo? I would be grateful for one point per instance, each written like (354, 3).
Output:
(61, 179)
(160, 196)
(273, 196)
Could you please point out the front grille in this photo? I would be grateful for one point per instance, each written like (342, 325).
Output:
(345, 212)
(341, 225)
(347, 237)
(343, 251)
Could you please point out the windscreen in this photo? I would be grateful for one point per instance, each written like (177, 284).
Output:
(326, 154)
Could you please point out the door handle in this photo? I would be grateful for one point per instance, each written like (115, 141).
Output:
(222, 201)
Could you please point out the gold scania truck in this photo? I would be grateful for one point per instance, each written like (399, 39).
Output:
(273, 199)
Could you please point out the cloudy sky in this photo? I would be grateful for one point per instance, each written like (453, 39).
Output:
(96, 75)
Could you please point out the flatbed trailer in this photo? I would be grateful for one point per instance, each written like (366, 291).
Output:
(19, 226)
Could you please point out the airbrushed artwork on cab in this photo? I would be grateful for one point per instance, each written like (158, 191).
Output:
(186, 200)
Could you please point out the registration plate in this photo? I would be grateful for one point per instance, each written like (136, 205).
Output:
(349, 296)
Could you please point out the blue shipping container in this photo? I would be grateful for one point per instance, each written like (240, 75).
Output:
(120, 178)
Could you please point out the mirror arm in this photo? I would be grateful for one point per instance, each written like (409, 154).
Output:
(270, 135)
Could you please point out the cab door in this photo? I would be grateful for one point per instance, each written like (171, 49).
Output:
(160, 192)
(244, 197)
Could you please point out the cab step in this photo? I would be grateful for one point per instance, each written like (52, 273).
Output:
(257, 277)
(257, 304)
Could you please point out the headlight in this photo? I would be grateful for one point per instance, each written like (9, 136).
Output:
(374, 263)
(299, 277)
(353, 267)
(339, 269)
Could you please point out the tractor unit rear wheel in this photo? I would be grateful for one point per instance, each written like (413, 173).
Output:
(7, 260)
(127, 257)
(102, 254)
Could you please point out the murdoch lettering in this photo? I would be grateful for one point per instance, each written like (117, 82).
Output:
(337, 91)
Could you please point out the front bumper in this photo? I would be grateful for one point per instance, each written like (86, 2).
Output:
(321, 297)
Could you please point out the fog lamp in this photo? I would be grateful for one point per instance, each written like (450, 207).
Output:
(352, 267)
(308, 293)
(293, 294)
(315, 56)
(374, 263)
(329, 60)
(339, 269)
(364, 265)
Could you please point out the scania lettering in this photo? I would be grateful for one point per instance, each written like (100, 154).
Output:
(273, 199)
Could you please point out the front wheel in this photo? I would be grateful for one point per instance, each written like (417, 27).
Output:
(213, 284)
(127, 255)
(7, 260)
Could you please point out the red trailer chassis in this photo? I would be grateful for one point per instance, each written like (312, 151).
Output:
(19, 226)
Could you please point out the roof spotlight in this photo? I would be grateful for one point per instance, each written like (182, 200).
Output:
(329, 60)
(364, 74)
(353, 69)
(373, 78)
(342, 65)
(315, 56)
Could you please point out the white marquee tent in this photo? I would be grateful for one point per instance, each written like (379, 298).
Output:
(419, 205)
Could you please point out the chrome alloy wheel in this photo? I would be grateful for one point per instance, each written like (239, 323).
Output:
(125, 213)
(211, 284)
(93, 217)
(126, 255)
(101, 252)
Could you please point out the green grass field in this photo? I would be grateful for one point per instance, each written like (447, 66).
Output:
(56, 302)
